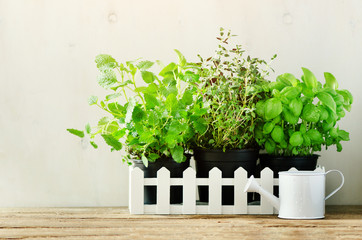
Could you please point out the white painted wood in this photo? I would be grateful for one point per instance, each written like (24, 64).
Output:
(266, 183)
(215, 191)
(136, 191)
(202, 181)
(189, 191)
(190, 183)
(240, 198)
(163, 191)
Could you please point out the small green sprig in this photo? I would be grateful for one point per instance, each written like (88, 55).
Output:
(301, 116)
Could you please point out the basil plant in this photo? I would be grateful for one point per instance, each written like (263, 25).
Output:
(301, 116)
(158, 119)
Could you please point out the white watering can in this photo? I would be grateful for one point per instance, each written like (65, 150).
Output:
(301, 194)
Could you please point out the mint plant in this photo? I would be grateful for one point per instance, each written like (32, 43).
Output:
(230, 86)
(158, 119)
(301, 116)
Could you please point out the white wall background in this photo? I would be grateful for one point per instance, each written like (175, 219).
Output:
(47, 72)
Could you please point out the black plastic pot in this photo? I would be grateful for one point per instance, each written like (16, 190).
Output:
(227, 162)
(281, 163)
(176, 171)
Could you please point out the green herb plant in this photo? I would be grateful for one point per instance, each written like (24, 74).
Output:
(230, 86)
(301, 116)
(155, 120)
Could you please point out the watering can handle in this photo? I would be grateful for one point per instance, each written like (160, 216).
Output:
(332, 193)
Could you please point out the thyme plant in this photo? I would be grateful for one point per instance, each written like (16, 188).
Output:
(230, 86)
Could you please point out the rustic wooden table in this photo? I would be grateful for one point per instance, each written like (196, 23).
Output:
(341, 222)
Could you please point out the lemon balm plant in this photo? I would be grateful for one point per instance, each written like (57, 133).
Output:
(153, 121)
(300, 117)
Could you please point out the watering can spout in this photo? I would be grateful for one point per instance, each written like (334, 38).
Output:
(253, 186)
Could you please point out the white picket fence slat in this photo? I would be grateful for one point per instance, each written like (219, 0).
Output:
(189, 184)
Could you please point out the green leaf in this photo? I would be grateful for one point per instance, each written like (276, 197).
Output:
(327, 125)
(190, 77)
(323, 113)
(289, 116)
(315, 136)
(119, 134)
(327, 100)
(295, 151)
(111, 141)
(168, 69)
(277, 134)
(348, 98)
(94, 145)
(92, 100)
(270, 146)
(330, 81)
(309, 79)
(125, 83)
(290, 92)
(268, 127)
(200, 125)
(141, 89)
(144, 65)
(138, 114)
(333, 132)
(103, 121)
(181, 58)
(260, 106)
(343, 135)
(306, 140)
(151, 101)
(273, 107)
(171, 101)
(112, 96)
(146, 137)
(130, 107)
(296, 106)
(107, 79)
(88, 128)
(339, 147)
(310, 113)
(110, 127)
(287, 79)
(153, 157)
(144, 160)
(116, 108)
(76, 132)
(105, 61)
(187, 98)
(147, 76)
(178, 154)
(296, 139)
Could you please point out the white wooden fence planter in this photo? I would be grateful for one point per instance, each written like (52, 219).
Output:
(190, 183)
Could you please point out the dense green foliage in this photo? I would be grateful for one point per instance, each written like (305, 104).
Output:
(151, 121)
(230, 85)
(301, 116)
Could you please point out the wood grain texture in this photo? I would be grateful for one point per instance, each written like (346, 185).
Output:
(341, 222)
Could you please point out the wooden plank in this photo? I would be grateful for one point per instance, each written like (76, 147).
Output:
(189, 191)
(240, 198)
(136, 192)
(215, 191)
(341, 222)
(163, 191)
(266, 182)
